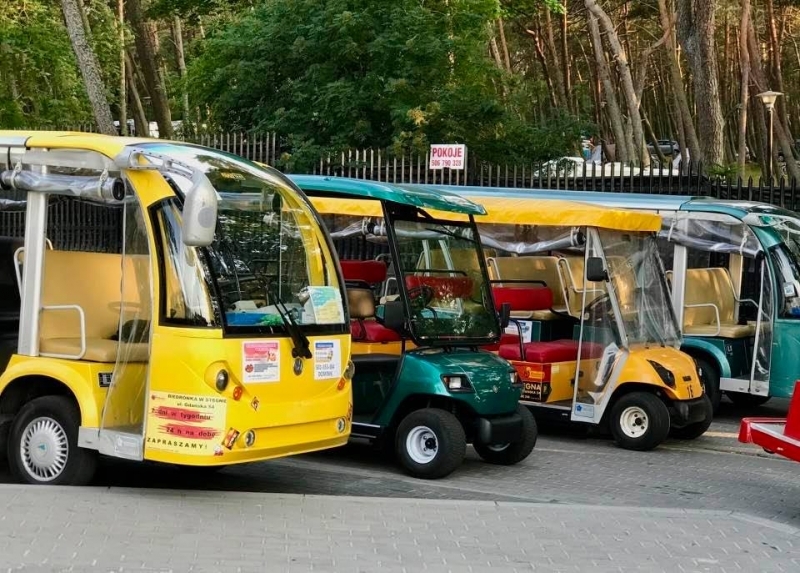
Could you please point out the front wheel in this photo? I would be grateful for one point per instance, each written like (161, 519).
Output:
(43, 446)
(692, 431)
(430, 443)
(709, 377)
(513, 453)
(639, 421)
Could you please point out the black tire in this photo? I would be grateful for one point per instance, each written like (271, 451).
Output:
(709, 377)
(692, 431)
(510, 454)
(637, 410)
(448, 438)
(63, 417)
(747, 400)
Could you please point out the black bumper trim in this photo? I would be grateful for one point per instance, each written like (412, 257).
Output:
(499, 430)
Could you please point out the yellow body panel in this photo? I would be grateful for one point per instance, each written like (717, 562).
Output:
(395, 348)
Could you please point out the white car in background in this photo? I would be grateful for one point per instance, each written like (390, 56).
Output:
(574, 167)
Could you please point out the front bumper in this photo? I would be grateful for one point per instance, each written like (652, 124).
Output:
(499, 429)
(686, 412)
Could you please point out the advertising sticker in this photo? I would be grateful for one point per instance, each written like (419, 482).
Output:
(327, 360)
(261, 361)
(185, 423)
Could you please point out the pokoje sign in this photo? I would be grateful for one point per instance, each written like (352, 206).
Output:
(448, 156)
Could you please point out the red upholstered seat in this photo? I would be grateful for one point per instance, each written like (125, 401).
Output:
(443, 287)
(554, 351)
(505, 338)
(371, 272)
(523, 298)
(371, 331)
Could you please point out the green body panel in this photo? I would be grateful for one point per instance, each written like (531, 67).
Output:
(421, 373)
(413, 196)
(713, 347)
(784, 368)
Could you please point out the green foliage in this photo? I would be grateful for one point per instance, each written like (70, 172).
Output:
(348, 73)
(40, 84)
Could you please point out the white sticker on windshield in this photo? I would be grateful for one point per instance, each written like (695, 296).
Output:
(327, 360)
(326, 305)
(261, 361)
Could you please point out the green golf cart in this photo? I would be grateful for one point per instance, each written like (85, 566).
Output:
(419, 313)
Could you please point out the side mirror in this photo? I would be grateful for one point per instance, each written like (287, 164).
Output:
(595, 272)
(505, 315)
(199, 212)
(393, 315)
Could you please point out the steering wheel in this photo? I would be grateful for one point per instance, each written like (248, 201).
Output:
(596, 311)
(420, 297)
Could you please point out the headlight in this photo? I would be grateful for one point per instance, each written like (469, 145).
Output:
(666, 376)
(457, 383)
(515, 379)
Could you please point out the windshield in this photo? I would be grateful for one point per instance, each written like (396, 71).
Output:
(638, 279)
(270, 260)
(445, 282)
(786, 258)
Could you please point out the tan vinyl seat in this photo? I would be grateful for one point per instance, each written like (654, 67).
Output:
(92, 282)
(532, 268)
(572, 272)
(705, 290)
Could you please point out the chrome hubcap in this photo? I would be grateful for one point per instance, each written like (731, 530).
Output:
(44, 449)
(422, 445)
(634, 422)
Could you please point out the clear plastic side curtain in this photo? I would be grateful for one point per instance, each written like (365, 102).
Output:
(124, 411)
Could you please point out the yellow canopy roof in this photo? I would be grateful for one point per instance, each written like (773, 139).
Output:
(515, 211)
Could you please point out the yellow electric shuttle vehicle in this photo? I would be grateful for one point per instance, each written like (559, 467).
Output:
(599, 339)
(131, 325)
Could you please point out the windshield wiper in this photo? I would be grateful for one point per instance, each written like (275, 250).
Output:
(301, 347)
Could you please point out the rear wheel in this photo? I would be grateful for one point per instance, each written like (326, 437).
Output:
(512, 453)
(43, 446)
(747, 400)
(692, 431)
(430, 443)
(639, 421)
(709, 377)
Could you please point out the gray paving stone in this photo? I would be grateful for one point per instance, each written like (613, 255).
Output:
(49, 529)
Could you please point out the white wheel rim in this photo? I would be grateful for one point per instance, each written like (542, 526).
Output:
(44, 449)
(422, 445)
(634, 422)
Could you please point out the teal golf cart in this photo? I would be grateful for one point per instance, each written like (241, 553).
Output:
(419, 312)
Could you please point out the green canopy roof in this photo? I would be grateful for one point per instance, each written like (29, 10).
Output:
(316, 185)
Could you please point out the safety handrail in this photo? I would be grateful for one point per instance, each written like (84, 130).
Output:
(82, 317)
(18, 263)
(716, 314)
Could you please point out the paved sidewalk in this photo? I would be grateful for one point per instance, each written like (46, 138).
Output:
(125, 530)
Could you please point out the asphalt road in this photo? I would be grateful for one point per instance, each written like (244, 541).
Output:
(714, 472)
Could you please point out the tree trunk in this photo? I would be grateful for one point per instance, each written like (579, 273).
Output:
(140, 123)
(177, 33)
(639, 149)
(624, 147)
(506, 58)
(123, 92)
(696, 19)
(683, 113)
(777, 72)
(782, 137)
(148, 60)
(90, 69)
(565, 56)
(558, 76)
(542, 57)
(744, 59)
